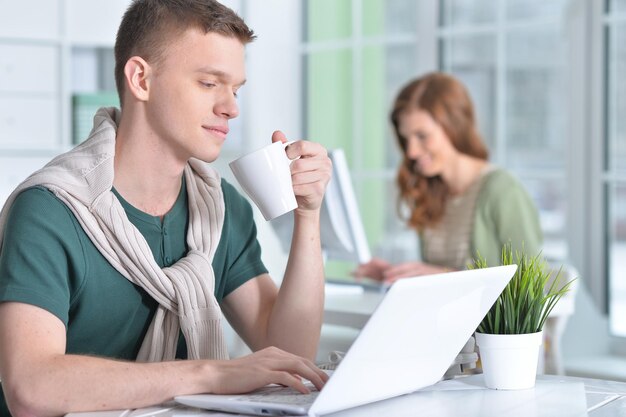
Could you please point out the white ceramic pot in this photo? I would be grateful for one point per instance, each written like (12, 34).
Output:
(509, 361)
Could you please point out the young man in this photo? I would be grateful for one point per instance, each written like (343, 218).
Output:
(119, 246)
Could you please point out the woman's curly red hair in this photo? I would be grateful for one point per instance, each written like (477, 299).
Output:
(447, 101)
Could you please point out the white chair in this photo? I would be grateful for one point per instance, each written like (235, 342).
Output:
(551, 362)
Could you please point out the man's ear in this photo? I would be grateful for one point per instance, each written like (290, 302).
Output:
(137, 73)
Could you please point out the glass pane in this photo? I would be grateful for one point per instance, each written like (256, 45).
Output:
(617, 259)
(328, 19)
(617, 99)
(374, 110)
(373, 17)
(468, 12)
(401, 63)
(536, 100)
(329, 100)
(389, 16)
(550, 197)
(535, 9)
(617, 5)
(473, 61)
(385, 71)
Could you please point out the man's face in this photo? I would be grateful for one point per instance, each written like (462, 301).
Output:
(193, 94)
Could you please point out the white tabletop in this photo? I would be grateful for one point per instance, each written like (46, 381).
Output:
(467, 396)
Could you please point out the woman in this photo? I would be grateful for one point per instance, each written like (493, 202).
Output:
(460, 204)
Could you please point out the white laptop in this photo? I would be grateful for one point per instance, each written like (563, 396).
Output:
(408, 343)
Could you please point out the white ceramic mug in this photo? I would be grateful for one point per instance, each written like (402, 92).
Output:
(265, 176)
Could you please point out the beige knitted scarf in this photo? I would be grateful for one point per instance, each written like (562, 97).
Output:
(83, 178)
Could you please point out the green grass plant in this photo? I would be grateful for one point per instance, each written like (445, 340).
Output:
(527, 300)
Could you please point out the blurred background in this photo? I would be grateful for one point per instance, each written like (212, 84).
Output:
(547, 79)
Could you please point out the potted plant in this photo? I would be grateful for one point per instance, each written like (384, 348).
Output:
(511, 333)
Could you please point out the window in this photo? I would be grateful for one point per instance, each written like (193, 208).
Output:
(547, 81)
(512, 57)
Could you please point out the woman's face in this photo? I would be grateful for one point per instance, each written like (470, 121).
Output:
(426, 143)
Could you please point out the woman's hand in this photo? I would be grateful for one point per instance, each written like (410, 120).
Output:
(382, 270)
(411, 269)
(374, 269)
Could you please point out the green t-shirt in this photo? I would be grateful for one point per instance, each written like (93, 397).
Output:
(48, 261)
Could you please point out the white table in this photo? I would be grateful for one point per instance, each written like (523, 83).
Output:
(552, 396)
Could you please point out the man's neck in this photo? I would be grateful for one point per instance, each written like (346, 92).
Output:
(147, 174)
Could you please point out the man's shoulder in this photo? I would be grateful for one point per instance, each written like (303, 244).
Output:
(233, 199)
(37, 208)
(36, 199)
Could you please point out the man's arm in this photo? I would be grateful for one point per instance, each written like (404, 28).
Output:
(38, 378)
(297, 316)
(290, 318)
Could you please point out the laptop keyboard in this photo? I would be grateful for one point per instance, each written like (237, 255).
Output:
(281, 395)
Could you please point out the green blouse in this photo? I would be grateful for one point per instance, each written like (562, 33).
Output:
(503, 213)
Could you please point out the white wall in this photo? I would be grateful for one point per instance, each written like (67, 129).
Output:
(273, 91)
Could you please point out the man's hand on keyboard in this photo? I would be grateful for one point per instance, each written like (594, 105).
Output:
(268, 366)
